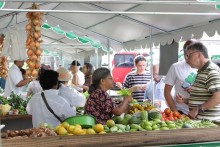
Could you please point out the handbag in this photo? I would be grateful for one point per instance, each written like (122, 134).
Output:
(49, 108)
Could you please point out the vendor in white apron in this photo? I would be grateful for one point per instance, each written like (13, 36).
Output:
(15, 81)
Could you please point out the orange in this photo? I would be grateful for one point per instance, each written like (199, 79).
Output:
(98, 128)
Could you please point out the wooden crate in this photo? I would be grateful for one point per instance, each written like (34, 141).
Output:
(142, 138)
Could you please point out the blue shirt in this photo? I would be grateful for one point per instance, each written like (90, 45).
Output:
(158, 91)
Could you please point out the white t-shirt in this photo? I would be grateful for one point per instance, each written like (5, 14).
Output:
(14, 77)
(72, 96)
(40, 114)
(176, 75)
(34, 87)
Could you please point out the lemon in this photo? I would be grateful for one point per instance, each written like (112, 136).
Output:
(65, 124)
(62, 131)
(78, 131)
(103, 132)
(90, 131)
(78, 126)
(57, 127)
(98, 128)
(70, 128)
(110, 123)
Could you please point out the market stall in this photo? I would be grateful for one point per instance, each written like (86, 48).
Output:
(143, 138)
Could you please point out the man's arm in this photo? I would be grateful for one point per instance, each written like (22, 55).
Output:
(23, 82)
(210, 103)
(168, 97)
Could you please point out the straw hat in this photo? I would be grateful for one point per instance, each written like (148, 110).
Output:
(64, 74)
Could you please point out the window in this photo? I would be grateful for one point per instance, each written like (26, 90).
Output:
(124, 60)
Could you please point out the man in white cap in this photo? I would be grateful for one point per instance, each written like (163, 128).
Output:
(78, 78)
(73, 97)
(15, 81)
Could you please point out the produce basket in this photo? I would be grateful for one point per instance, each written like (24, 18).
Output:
(86, 121)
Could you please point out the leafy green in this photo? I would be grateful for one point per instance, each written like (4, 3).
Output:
(124, 92)
(16, 102)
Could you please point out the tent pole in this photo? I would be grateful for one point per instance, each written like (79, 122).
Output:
(97, 58)
(115, 12)
(151, 65)
(123, 2)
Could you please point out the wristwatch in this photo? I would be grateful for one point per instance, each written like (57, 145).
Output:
(200, 109)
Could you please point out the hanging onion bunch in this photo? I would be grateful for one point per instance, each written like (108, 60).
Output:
(3, 59)
(3, 67)
(2, 37)
(33, 29)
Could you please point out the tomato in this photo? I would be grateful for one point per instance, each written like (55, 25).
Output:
(171, 118)
(180, 117)
(167, 111)
(175, 118)
(170, 114)
(164, 115)
(176, 114)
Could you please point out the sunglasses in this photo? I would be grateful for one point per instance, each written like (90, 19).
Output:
(188, 55)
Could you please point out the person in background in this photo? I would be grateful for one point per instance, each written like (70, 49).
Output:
(72, 96)
(34, 86)
(204, 100)
(140, 77)
(37, 107)
(99, 104)
(158, 84)
(78, 78)
(15, 81)
(178, 74)
(88, 70)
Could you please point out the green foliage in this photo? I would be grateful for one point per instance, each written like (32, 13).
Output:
(16, 102)
(124, 92)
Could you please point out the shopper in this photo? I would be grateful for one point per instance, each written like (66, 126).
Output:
(88, 70)
(176, 77)
(78, 78)
(158, 84)
(73, 97)
(139, 77)
(204, 100)
(15, 81)
(99, 104)
(34, 86)
(37, 105)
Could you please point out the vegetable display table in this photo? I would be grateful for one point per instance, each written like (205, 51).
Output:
(16, 122)
(141, 138)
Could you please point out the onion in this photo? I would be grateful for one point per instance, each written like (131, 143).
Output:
(28, 15)
(36, 36)
(28, 27)
(38, 59)
(37, 28)
(34, 73)
(30, 52)
(37, 66)
(37, 44)
(38, 52)
(28, 72)
(31, 64)
(33, 57)
(32, 44)
(36, 22)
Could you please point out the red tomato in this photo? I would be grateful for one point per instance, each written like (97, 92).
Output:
(176, 114)
(170, 114)
(167, 111)
(171, 118)
(175, 118)
(180, 117)
(164, 115)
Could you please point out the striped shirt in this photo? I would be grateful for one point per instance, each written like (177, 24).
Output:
(133, 79)
(207, 82)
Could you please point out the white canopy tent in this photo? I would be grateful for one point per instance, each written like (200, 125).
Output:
(117, 24)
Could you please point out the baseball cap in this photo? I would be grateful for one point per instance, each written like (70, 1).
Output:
(75, 63)
(64, 74)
